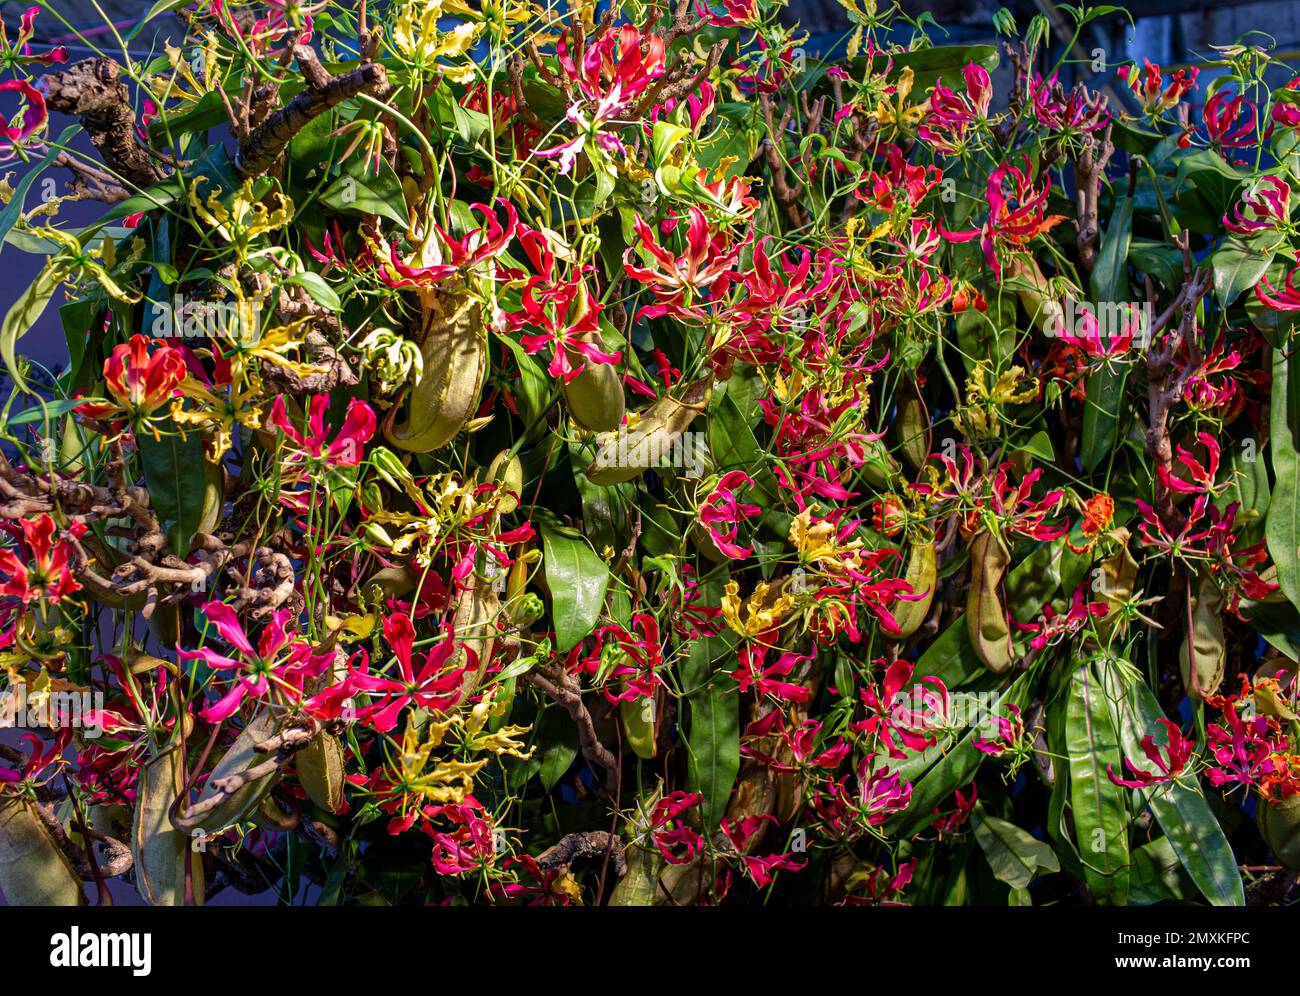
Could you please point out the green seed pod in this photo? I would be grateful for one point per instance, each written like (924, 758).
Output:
(508, 471)
(455, 355)
(629, 452)
(879, 466)
(1279, 825)
(241, 756)
(1205, 641)
(595, 397)
(913, 428)
(1036, 295)
(474, 619)
(320, 769)
(394, 582)
(214, 496)
(639, 725)
(922, 573)
(33, 870)
(986, 617)
(161, 850)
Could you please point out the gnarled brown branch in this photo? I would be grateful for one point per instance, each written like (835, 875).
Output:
(93, 91)
(264, 144)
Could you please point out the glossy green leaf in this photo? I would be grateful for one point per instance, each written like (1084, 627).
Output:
(1282, 527)
(1180, 807)
(1015, 855)
(1237, 267)
(320, 292)
(21, 317)
(1100, 807)
(173, 470)
(577, 578)
(361, 191)
(713, 732)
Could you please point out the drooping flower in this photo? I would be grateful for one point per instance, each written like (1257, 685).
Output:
(755, 674)
(682, 284)
(20, 52)
(673, 837)
(1265, 205)
(881, 792)
(1008, 734)
(18, 136)
(897, 709)
(1069, 114)
(628, 60)
(952, 114)
(721, 514)
(1017, 214)
(561, 313)
(1286, 299)
(1230, 122)
(345, 449)
(1149, 87)
(1194, 477)
(1169, 762)
(627, 660)
(1241, 749)
(443, 255)
(470, 847)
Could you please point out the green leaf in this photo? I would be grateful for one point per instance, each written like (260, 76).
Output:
(173, 471)
(1039, 445)
(1015, 855)
(1105, 387)
(950, 656)
(1158, 875)
(50, 409)
(1180, 807)
(1277, 622)
(22, 316)
(1162, 261)
(1282, 527)
(1237, 267)
(713, 760)
(358, 191)
(1103, 399)
(1034, 581)
(319, 291)
(1213, 178)
(1100, 806)
(1109, 279)
(558, 742)
(578, 579)
(929, 65)
(468, 124)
